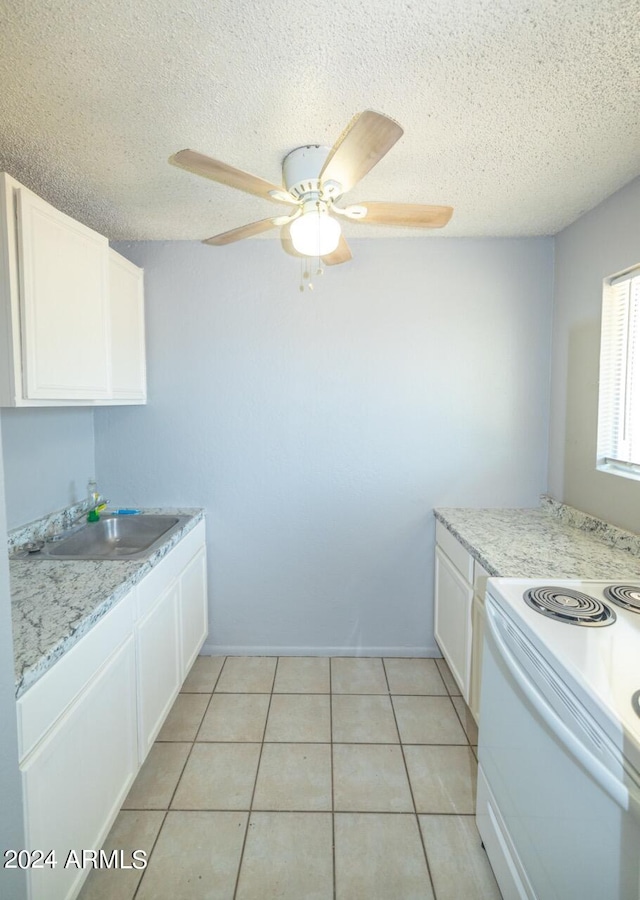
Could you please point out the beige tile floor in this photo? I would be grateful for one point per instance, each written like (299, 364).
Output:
(305, 779)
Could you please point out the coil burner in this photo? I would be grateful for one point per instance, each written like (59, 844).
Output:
(572, 607)
(625, 595)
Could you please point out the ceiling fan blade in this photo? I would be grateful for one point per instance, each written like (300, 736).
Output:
(245, 231)
(361, 145)
(341, 254)
(203, 165)
(414, 215)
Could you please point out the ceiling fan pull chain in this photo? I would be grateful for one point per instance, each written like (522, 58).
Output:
(305, 274)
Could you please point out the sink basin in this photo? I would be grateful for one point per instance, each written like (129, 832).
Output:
(115, 537)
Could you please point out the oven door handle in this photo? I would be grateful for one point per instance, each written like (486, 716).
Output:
(627, 799)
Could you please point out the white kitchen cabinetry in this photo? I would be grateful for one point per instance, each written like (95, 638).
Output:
(480, 576)
(85, 727)
(158, 665)
(193, 603)
(71, 310)
(172, 627)
(63, 276)
(453, 619)
(460, 582)
(77, 778)
(126, 307)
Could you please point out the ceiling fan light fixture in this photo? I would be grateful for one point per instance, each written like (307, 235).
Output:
(314, 177)
(315, 232)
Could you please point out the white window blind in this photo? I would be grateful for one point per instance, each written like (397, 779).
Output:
(619, 401)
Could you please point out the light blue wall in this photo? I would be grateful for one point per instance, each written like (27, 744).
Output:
(602, 242)
(320, 430)
(12, 882)
(48, 460)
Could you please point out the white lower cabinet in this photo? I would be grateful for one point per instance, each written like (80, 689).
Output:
(158, 666)
(453, 619)
(76, 779)
(86, 726)
(460, 585)
(480, 577)
(193, 603)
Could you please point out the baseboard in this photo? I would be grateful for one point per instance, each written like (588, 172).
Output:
(430, 652)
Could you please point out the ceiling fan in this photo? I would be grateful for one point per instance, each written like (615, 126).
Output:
(315, 179)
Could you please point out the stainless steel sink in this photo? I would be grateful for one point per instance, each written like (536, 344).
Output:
(115, 537)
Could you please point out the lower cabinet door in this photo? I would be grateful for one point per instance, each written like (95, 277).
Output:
(477, 623)
(453, 598)
(158, 666)
(76, 780)
(193, 609)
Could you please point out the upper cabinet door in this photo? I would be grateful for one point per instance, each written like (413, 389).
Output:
(64, 304)
(126, 300)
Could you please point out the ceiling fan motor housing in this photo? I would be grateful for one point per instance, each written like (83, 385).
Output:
(301, 168)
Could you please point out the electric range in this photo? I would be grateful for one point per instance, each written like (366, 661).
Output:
(597, 656)
(558, 803)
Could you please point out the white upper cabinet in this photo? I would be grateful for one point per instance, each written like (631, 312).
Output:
(71, 310)
(126, 304)
(64, 306)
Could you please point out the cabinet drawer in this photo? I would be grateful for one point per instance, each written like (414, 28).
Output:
(461, 558)
(49, 697)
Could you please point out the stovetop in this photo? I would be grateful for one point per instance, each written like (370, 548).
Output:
(626, 595)
(569, 606)
(600, 665)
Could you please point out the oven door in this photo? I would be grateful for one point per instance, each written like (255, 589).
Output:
(558, 812)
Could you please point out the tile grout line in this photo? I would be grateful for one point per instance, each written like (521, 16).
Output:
(406, 769)
(213, 690)
(326, 693)
(166, 811)
(452, 697)
(153, 847)
(331, 743)
(313, 812)
(193, 742)
(255, 782)
(448, 690)
(338, 743)
(468, 744)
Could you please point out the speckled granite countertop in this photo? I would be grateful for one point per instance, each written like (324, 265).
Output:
(55, 602)
(553, 541)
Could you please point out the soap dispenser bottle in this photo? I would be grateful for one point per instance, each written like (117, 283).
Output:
(93, 497)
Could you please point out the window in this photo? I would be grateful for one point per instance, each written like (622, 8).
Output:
(619, 402)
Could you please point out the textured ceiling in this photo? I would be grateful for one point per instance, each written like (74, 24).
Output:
(521, 114)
